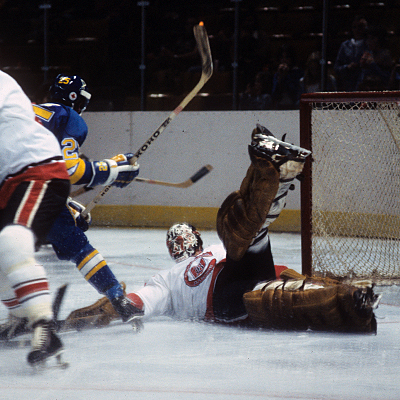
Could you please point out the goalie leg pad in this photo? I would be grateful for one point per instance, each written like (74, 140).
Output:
(282, 309)
(309, 304)
(243, 212)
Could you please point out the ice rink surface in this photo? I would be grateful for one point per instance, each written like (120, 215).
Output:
(172, 359)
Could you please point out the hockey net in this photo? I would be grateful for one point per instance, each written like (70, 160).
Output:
(350, 195)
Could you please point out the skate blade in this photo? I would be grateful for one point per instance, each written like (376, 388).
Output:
(15, 343)
(375, 303)
(55, 361)
(136, 323)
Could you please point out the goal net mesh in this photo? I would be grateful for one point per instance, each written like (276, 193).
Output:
(355, 189)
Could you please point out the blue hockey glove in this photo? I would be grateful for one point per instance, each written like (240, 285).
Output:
(116, 171)
(124, 173)
(76, 209)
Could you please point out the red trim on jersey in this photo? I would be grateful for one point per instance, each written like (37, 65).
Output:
(279, 269)
(30, 203)
(12, 303)
(41, 173)
(136, 300)
(30, 288)
(210, 310)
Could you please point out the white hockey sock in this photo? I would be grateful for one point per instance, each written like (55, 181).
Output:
(262, 238)
(24, 284)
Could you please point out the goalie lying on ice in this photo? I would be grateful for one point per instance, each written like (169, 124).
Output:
(221, 283)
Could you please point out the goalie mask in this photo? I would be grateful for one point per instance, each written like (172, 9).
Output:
(70, 91)
(183, 241)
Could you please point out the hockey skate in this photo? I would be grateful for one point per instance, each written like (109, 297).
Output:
(366, 300)
(45, 344)
(128, 312)
(265, 144)
(13, 327)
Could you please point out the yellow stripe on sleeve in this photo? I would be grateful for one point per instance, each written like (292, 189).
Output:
(76, 169)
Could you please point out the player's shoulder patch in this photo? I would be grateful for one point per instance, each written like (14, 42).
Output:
(43, 113)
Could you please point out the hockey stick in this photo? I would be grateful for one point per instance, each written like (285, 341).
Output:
(193, 179)
(189, 182)
(203, 46)
(58, 298)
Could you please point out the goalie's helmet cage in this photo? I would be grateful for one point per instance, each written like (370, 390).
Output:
(183, 241)
(70, 91)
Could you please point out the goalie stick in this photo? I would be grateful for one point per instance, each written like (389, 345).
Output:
(203, 47)
(189, 182)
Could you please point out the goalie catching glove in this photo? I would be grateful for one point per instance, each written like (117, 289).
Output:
(100, 314)
(116, 171)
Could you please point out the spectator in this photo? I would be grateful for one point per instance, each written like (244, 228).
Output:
(256, 96)
(221, 47)
(285, 83)
(376, 63)
(253, 45)
(347, 63)
(311, 81)
(394, 83)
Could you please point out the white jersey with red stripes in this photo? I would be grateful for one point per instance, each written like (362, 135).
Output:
(185, 290)
(23, 141)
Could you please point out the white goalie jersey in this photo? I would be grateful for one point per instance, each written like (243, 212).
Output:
(184, 291)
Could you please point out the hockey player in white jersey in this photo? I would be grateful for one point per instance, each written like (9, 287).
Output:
(209, 283)
(34, 186)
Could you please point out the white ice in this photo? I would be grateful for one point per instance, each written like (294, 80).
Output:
(190, 360)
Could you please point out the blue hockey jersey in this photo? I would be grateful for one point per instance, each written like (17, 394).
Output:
(70, 130)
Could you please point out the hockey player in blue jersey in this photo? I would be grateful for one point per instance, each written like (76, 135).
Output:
(69, 97)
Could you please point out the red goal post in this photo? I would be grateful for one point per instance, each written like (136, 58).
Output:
(350, 195)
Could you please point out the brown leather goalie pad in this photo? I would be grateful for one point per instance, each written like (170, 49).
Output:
(243, 212)
(329, 306)
(97, 315)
